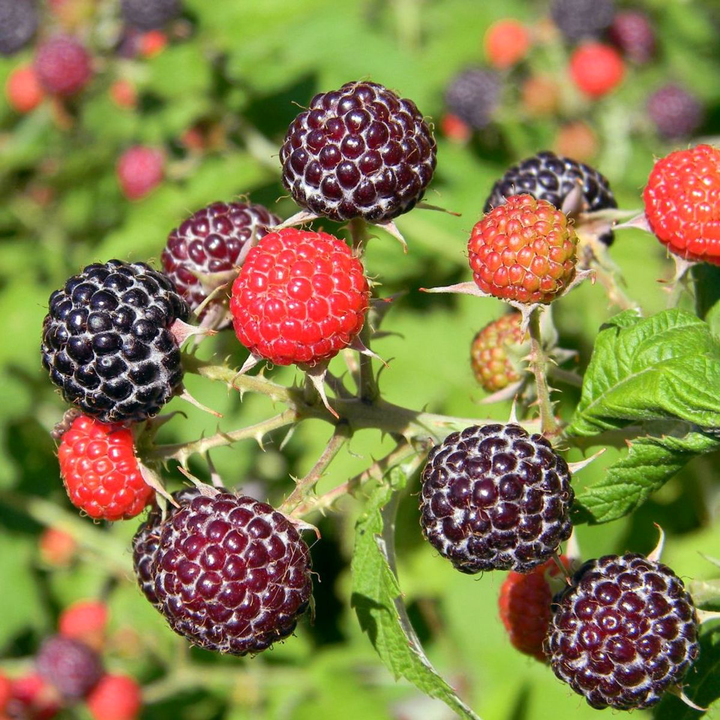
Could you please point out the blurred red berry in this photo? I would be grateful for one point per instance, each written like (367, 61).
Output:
(596, 69)
(506, 43)
(152, 43)
(140, 170)
(455, 129)
(85, 620)
(23, 90)
(115, 697)
(524, 605)
(57, 547)
(682, 203)
(123, 93)
(5, 692)
(632, 33)
(100, 471)
(32, 698)
(63, 65)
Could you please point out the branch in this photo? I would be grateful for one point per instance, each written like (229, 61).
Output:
(539, 363)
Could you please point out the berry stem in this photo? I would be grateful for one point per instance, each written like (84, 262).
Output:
(305, 486)
(539, 365)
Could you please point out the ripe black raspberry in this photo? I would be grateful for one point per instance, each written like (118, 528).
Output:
(107, 342)
(70, 666)
(674, 111)
(18, 23)
(210, 241)
(551, 177)
(577, 19)
(150, 14)
(360, 151)
(473, 95)
(147, 540)
(632, 33)
(231, 574)
(623, 632)
(495, 498)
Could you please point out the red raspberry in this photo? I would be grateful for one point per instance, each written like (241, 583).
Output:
(63, 65)
(524, 251)
(85, 620)
(57, 548)
(491, 364)
(682, 203)
(152, 43)
(100, 471)
(32, 698)
(506, 43)
(123, 93)
(300, 297)
(140, 170)
(524, 605)
(596, 69)
(5, 692)
(115, 697)
(23, 90)
(455, 129)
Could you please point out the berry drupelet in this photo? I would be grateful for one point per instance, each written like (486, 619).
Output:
(623, 633)
(358, 152)
(230, 574)
(495, 498)
(107, 342)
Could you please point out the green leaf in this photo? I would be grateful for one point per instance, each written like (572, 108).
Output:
(378, 601)
(649, 464)
(663, 367)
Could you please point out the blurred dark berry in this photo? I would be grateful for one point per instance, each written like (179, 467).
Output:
(18, 23)
(150, 14)
(578, 19)
(69, 665)
(674, 111)
(473, 95)
(632, 33)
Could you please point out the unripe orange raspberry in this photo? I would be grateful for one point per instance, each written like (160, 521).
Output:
(523, 251)
(492, 366)
(506, 43)
(23, 90)
(57, 548)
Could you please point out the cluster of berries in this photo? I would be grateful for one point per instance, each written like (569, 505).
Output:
(69, 670)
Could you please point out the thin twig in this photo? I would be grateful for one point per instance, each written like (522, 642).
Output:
(539, 366)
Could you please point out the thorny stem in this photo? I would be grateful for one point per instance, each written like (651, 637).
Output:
(615, 293)
(305, 486)
(539, 363)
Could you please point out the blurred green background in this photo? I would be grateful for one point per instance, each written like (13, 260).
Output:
(236, 72)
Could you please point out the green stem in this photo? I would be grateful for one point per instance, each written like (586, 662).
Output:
(539, 365)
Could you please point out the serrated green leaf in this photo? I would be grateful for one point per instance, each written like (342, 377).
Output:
(649, 464)
(663, 367)
(377, 598)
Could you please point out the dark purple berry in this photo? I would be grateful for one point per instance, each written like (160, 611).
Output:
(70, 666)
(674, 111)
(18, 23)
(551, 177)
(210, 241)
(107, 342)
(623, 633)
(358, 152)
(230, 574)
(578, 19)
(632, 33)
(473, 95)
(150, 14)
(495, 498)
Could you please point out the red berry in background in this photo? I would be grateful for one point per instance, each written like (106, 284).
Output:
(32, 699)
(632, 33)
(57, 547)
(682, 203)
(63, 65)
(100, 470)
(5, 692)
(358, 152)
(300, 297)
(540, 95)
(596, 69)
(675, 112)
(524, 250)
(123, 93)
(455, 129)
(623, 633)
(23, 90)
(140, 170)
(506, 43)
(524, 605)
(576, 140)
(115, 697)
(210, 241)
(493, 368)
(152, 43)
(85, 620)
(69, 666)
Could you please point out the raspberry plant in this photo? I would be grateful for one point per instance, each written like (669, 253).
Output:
(359, 440)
